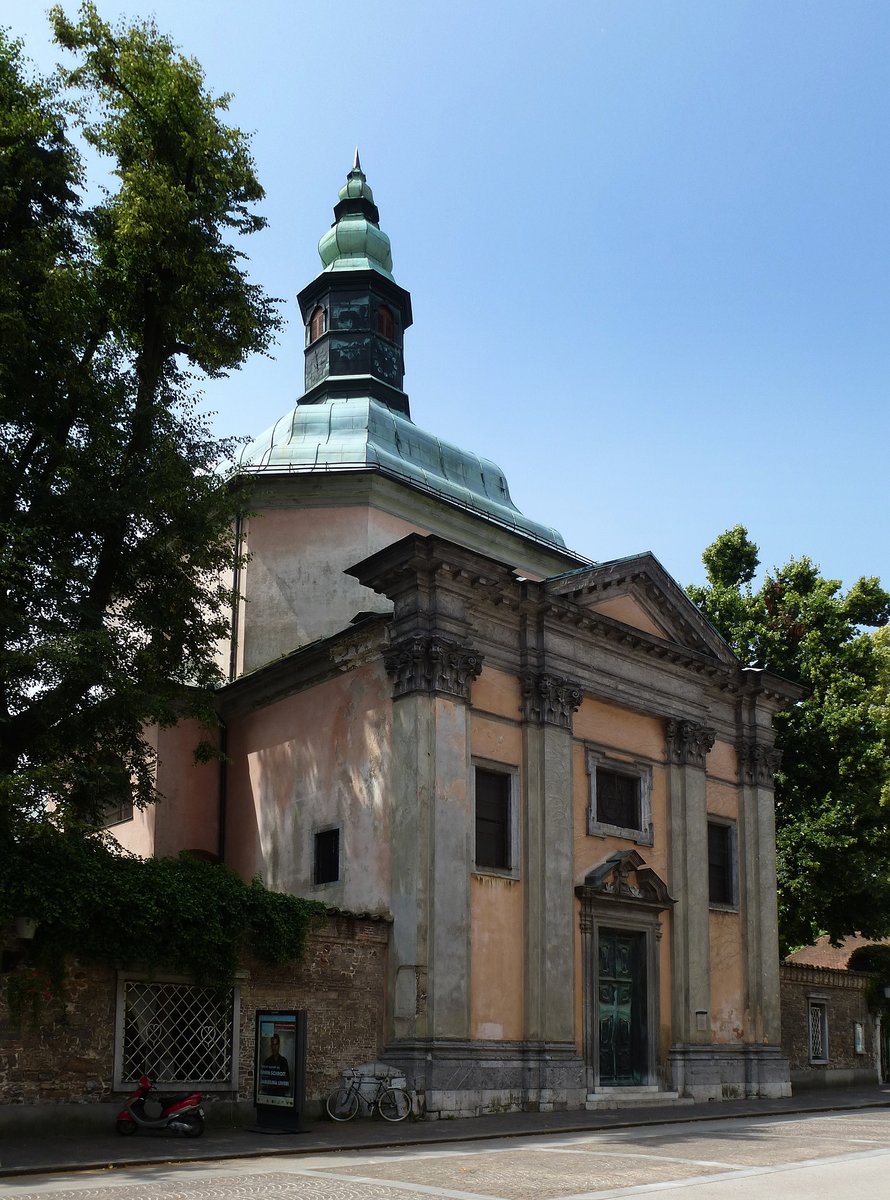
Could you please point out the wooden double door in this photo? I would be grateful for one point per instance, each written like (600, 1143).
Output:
(621, 991)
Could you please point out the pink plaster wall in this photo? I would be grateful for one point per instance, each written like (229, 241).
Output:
(312, 760)
(294, 584)
(728, 1018)
(496, 956)
(497, 933)
(611, 727)
(185, 816)
(722, 762)
(497, 692)
(628, 610)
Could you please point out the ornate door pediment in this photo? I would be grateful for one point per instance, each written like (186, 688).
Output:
(625, 879)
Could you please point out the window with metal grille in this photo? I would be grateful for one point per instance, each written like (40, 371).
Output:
(176, 1033)
(721, 863)
(493, 832)
(326, 865)
(818, 1031)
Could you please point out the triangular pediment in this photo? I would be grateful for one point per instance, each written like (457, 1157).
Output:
(625, 876)
(639, 593)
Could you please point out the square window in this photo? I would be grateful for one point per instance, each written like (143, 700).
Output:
(721, 863)
(619, 798)
(494, 833)
(326, 867)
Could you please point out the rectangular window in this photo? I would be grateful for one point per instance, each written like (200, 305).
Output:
(494, 839)
(818, 1010)
(721, 864)
(116, 811)
(177, 1033)
(326, 866)
(619, 798)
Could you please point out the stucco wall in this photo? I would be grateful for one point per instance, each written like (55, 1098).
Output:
(294, 584)
(311, 761)
(186, 815)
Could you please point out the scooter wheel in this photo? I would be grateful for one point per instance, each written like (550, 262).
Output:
(194, 1124)
(125, 1128)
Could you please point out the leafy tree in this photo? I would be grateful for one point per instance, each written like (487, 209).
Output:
(833, 788)
(115, 521)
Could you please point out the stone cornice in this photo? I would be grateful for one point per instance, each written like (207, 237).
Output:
(758, 763)
(549, 700)
(427, 663)
(598, 626)
(304, 668)
(688, 743)
(643, 576)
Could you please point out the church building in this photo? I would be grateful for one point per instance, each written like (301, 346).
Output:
(552, 774)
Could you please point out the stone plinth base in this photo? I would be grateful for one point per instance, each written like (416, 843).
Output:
(729, 1072)
(468, 1079)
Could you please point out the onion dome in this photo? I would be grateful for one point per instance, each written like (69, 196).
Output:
(355, 241)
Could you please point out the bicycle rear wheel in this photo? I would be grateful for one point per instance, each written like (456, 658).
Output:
(342, 1105)
(395, 1104)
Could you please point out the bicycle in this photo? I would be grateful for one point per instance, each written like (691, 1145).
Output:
(393, 1103)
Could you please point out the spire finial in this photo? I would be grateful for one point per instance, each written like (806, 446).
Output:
(357, 165)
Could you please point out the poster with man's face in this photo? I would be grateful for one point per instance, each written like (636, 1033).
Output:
(275, 1059)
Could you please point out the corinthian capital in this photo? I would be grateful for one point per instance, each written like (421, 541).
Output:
(432, 664)
(688, 743)
(758, 763)
(549, 700)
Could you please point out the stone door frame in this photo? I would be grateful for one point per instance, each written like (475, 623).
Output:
(609, 900)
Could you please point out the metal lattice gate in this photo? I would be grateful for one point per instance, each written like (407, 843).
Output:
(176, 1033)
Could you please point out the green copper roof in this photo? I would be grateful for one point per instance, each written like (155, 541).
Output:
(359, 433)
(355, 241)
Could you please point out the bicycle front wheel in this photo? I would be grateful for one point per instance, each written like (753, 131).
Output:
(342, 1105)
(395, 1104)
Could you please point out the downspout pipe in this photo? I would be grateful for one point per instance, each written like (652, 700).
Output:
(223, 781)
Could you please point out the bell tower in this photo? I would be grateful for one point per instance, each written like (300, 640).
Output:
(354, 313)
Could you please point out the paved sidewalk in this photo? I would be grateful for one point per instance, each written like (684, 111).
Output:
(52, 1154)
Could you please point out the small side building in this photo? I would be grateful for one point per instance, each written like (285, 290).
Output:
(829, 1035)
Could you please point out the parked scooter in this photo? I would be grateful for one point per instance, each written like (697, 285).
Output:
(145, 1109)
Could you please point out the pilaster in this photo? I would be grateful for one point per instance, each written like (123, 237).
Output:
(432, 836)
(687, 745)
(758, 763)
(548, 869)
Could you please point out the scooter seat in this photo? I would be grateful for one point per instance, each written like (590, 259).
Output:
(174, 1099)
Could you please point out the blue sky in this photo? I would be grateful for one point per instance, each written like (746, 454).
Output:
(648, 245)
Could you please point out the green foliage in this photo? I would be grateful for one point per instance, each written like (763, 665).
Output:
(27, 992)
(876, 961)
(833, 824)
(175, 914)
(115, 522)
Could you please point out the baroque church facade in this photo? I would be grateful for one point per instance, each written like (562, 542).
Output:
(551, 774)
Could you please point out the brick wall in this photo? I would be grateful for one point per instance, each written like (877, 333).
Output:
(341, 984)
(844, 995)
(68, 1056)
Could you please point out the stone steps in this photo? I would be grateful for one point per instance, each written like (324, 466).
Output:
(645, 1096)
